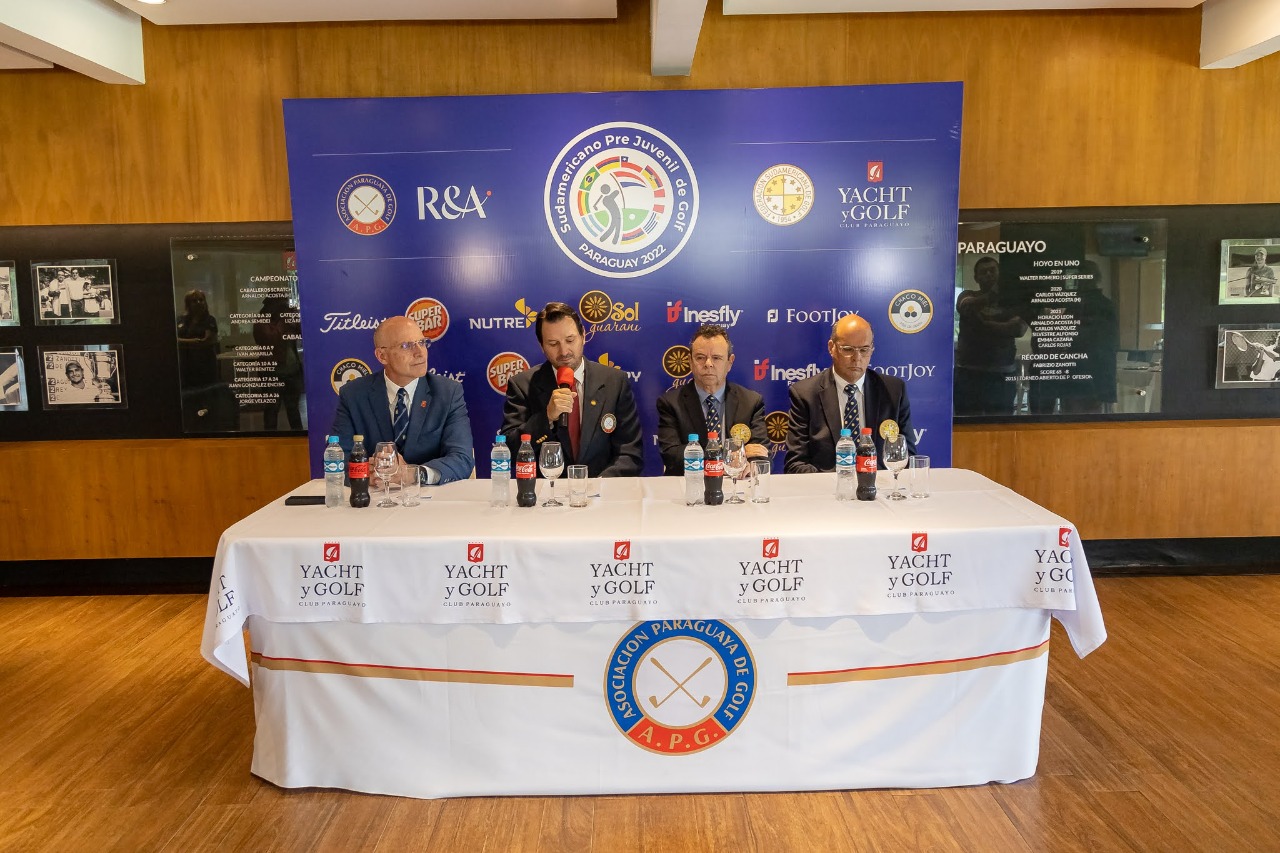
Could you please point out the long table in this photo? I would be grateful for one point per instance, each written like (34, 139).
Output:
(640, 645)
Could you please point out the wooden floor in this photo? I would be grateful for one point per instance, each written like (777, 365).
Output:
(115, 735)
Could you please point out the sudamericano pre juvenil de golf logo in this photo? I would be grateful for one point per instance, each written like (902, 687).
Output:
(621, 199)
(679, 686)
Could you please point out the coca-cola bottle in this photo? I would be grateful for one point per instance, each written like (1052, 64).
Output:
(713, 471)
(866, 466)
(526, 472)
(358, 472)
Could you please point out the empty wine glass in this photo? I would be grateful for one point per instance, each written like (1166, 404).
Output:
(386, 462)
(735, 464)
(895, 459)
(551, 460)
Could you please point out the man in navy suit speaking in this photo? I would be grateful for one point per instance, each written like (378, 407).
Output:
(848, 394)
(423, 413)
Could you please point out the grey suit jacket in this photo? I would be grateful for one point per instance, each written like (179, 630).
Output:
(817, 415)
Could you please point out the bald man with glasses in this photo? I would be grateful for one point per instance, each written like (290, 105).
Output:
(847, 394)
(425, 414)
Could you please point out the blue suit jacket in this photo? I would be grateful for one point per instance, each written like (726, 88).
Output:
(439, 428)
(817, 413)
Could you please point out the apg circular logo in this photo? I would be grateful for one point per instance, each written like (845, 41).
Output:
(430, 315)
(680, 686)
(366, 205)
(783, 194)
(621, 199)
(910, 311)
(346, 370)
(677, 361)
(502, 367)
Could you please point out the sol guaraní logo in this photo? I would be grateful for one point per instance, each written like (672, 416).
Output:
(680, 686)
(677, 361)
(602, 314)
(910, 311)
(776, 425)
(346, 370)
(783, 194)
(366, 205)
(502, 367)
(431, 316)
(621, 199)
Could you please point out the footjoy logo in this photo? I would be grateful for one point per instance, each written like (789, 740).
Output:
(621, 199)
(451, 202)
(332, 552)
(475, 552)
(770, 549)
(763, 369)
(1064, 537)
(826, 316)
(431, 316)
(919, 542)
(622, 550)
(725, 315)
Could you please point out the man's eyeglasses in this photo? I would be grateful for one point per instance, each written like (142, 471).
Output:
(410, 346)
(848, 351)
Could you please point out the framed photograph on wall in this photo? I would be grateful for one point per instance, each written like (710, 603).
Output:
(1248, 272)
(13, 380)
(90, 376)
(1248, 356)
(9, 294)
(79, 292)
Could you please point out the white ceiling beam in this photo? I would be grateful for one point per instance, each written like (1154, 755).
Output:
(185, 12)
(805, 7)
(94, 37)
(16, 60)
(674, 26)
(1233, 32)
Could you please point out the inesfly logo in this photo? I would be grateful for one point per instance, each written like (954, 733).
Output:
(765, 369)
(475, 552)
(875, 171)
(770, 549)
(673, 311)
(762, 369)
(332, 552)
(1064, 537)
(919, 542)
(622, 550)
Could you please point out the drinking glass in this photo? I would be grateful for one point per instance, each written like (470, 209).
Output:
(578, 485)
(551, 460)
(386, 462)
(919, 476)
(763, 468)
(735, 465)
(895, 459)
(412, 488)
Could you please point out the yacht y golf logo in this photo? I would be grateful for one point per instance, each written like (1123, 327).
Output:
(475, 552)
(332, 552)
(622, 550)
(919, 542)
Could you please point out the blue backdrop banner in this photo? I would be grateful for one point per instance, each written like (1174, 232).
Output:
(772, 212)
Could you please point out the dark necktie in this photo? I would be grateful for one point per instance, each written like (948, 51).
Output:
(851, 409)
(575, 424)
(713, 415)
(400, 423)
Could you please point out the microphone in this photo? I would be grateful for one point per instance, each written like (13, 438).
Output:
(564, 379)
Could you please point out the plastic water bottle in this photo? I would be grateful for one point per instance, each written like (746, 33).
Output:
(335, 469)
(867, 466)
(500, 472)
(693, 456)
(846, 467)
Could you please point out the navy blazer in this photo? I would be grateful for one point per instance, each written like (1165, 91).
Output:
(439, 428)
(817, 416)
(680, 413)
(618, 452)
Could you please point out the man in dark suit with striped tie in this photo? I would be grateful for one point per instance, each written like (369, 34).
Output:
(423, 413)
(708, 402)
(849, 394)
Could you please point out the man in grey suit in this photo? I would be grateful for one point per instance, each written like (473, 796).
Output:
(594, 419)
(821, 405)
(423, 413)
(708, 402)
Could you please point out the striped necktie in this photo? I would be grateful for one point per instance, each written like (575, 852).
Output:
(400, 423)
(713, 415)
(851, 409)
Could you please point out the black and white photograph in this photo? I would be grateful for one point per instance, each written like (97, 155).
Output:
(1248, 356)
(75, 292)
(13, 380)
(9, 294)
(83, 376)
(1248, 275)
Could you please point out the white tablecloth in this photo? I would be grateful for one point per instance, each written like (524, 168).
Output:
(454, 648)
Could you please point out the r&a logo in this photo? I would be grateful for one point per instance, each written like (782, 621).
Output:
(770, 549)
(445, 204)
(475, 552)
(1064, 537)
(875, 171)
(332, 552)
(622, 550)
(919, 542)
